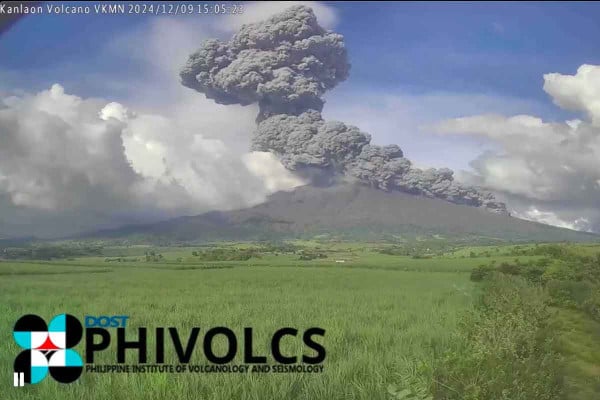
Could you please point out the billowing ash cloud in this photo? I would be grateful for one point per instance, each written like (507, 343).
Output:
(286, 64)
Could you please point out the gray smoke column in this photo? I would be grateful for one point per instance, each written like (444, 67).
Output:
(286, 64)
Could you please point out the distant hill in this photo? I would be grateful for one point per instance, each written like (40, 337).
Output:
(348, 211)
(16, 241)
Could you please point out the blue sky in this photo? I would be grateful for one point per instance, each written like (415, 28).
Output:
(487, 48)
(497, 49)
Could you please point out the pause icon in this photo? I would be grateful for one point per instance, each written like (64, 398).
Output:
(19, 379)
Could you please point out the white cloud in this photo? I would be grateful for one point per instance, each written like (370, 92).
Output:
(165, 151)
(406, 120)
(116, 111)
(579, 92)
(265, 165)
(64, 155)
(54, 146)
(540, 165)
(550, 218)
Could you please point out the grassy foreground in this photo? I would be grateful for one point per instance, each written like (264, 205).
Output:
(405, 327)
(378, 323)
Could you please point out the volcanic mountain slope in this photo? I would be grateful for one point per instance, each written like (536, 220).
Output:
(348, 211)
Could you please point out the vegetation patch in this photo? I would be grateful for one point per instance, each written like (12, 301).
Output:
(505, 350)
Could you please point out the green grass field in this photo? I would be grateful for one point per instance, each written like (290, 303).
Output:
(385, 317)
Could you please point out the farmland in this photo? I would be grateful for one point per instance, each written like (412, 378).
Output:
(390, 319)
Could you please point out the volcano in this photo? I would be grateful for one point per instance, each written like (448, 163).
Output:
(348, 212)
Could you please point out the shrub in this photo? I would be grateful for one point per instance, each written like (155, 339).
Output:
(305, 256)
(559, 271)
(511, 269)
(592, 305)
(543, 262)
(220, 254)
(533, 274)
(481, 272)
(505, 349)
(569, 293)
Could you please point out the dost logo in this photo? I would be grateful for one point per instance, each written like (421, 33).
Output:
(48, 348)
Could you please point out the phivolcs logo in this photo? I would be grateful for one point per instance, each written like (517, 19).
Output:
(47, 349)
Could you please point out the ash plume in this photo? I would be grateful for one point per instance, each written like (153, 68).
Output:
(286, 64)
